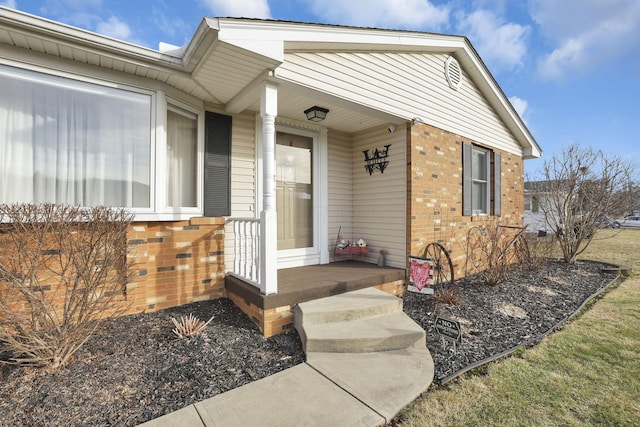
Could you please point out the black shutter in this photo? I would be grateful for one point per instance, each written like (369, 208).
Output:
(217, 166)
(497, 184)
(467, 184)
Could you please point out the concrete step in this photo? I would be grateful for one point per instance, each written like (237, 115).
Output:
(392, 331)
(353, 305)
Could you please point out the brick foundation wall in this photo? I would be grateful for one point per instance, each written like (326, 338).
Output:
(177, 262)
(434, 192)
(396, 287)
(271, 321)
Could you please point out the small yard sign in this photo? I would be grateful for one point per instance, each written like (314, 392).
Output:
(449, 329)
(420, 275)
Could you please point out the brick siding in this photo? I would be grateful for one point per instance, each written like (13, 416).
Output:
(434, 192)
(177, 262)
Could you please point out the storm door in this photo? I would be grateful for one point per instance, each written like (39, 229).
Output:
(294, 191)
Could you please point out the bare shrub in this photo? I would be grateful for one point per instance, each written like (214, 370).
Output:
(448, 297)
(189, 326)
(62, 270)
(493, 249)
(541, 251)
(577, 189)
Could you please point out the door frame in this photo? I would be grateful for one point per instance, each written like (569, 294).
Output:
(319, 252)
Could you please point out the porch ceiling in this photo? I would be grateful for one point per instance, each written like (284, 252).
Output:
(343, 115)
(230, 73)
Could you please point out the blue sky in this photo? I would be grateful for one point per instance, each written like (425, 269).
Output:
(570, 67)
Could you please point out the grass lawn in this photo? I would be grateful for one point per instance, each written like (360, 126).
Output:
(586, 374)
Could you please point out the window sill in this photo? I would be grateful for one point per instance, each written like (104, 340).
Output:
(166, 216)
(204, 220)
(477, 217)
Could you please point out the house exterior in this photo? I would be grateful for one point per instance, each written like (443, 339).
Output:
(211, 148)
(534, 218)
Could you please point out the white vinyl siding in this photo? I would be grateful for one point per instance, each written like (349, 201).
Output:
(243, 177)
(396, 83)
(380, 199)
(340, 191)
(243, 166)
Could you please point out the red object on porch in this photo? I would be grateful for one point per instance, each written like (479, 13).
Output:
(353, 250)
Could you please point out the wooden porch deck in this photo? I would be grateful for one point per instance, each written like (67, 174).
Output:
(274, 313)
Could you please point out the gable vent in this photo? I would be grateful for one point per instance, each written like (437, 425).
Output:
(453, 73)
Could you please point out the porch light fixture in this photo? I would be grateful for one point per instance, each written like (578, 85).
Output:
(316, 114)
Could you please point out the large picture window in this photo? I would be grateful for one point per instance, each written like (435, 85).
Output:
(72, 142)
(481, 185)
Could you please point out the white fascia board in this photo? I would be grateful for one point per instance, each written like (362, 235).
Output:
(203, 40)
(532, 153)
(293, 36)
(249, 37)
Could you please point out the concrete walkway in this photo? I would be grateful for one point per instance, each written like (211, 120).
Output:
(362, 381)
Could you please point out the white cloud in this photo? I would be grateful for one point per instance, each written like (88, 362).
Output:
(502, 45)
(239, 8)
(115, 28)
(80, 13)
(570, 55)
(64, 8)
(169, 25)
(406, 14)
(520, 105)
(586, 33)
(11, 4)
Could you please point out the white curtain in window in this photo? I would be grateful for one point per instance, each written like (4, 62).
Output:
(182, 149)
(64, 141)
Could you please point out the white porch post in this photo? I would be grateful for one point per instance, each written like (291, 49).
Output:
(268, 215)
(323, 197)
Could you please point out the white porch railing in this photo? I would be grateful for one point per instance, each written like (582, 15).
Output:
(246, 248)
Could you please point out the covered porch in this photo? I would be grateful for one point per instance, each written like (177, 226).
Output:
(273, 313)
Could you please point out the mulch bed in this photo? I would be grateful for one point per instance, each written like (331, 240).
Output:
(135, 369)
(522, 310)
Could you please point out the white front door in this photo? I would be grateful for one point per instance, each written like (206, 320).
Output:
(296, 200)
